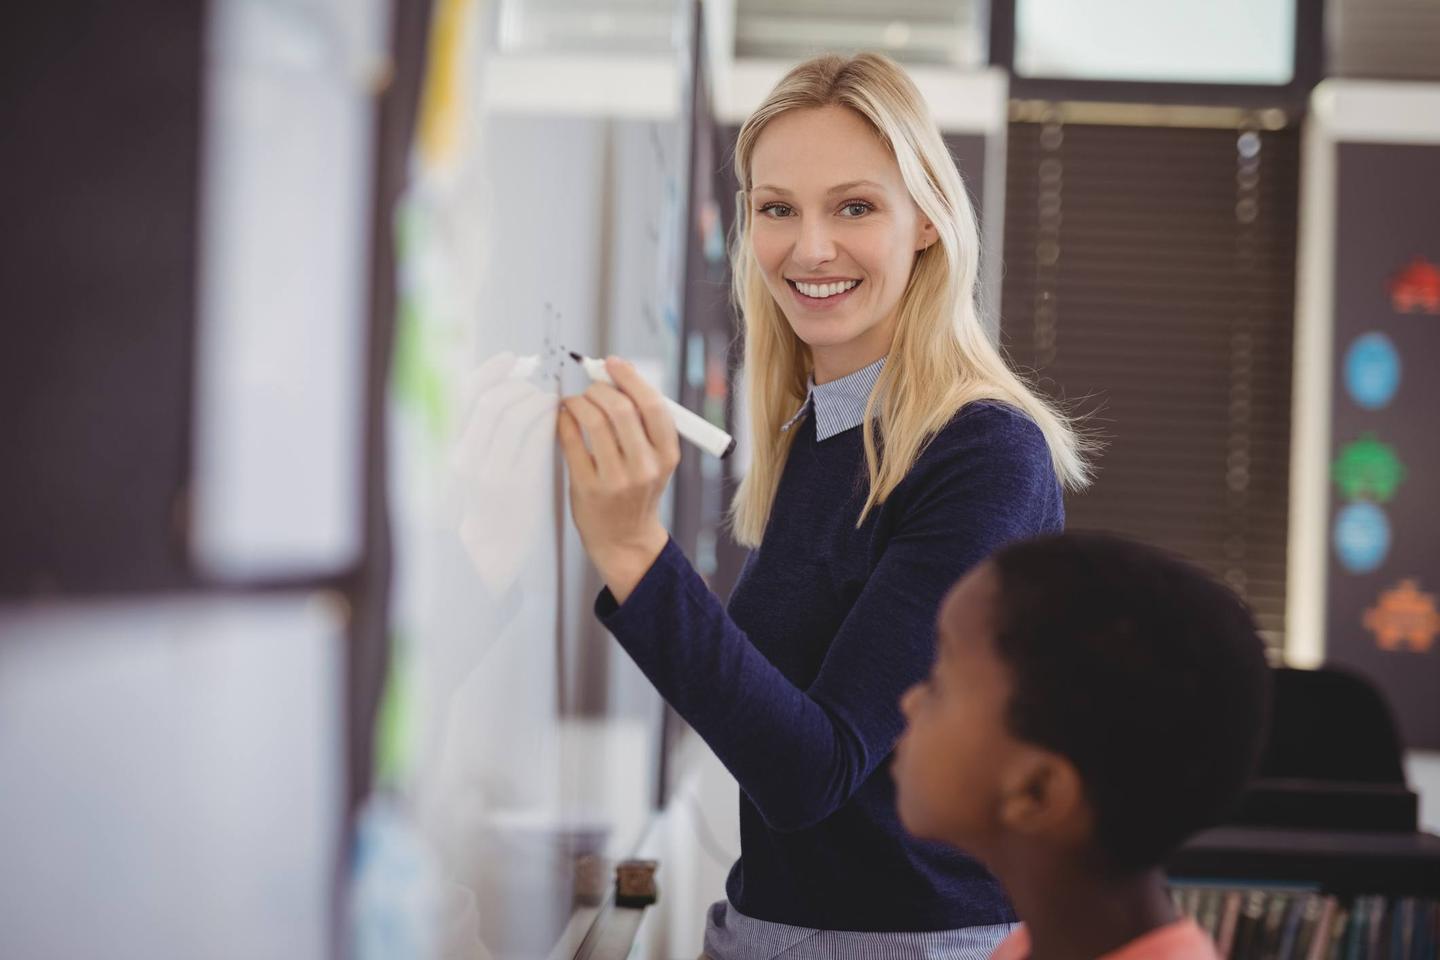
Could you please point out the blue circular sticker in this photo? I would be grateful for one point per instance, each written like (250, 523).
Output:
(1362, 537)
(1372, 371)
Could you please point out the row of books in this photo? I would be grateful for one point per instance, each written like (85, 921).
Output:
(1289, 923)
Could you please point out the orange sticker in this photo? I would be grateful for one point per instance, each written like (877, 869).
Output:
(1404, 617)
(1416, 288)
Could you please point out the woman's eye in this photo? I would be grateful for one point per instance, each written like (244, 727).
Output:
(859, 208)
(775, 209)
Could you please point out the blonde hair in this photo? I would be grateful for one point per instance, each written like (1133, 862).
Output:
(940, 359)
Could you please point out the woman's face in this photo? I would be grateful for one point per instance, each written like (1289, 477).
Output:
(835, 233)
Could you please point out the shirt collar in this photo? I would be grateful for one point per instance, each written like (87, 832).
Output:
(840, 404)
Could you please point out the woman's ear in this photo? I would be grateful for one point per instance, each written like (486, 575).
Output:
(927, 235)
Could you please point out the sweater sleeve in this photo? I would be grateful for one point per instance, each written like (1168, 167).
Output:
(799, 754)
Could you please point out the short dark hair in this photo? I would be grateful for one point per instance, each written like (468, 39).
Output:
(1146, 673)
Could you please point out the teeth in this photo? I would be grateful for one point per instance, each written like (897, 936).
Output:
(822, 290)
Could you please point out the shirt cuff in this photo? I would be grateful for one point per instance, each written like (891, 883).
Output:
(642, 598)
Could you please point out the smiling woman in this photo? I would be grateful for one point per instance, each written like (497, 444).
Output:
(834, 233)
(854, 139)
(892, 451)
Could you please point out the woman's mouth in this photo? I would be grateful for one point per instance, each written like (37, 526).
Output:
(822, 296)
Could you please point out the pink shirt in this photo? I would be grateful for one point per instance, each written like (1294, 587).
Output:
(1181, 940)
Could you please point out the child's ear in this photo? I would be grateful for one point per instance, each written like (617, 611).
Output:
(1041, 794)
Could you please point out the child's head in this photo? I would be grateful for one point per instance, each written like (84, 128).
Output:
(1092, 697)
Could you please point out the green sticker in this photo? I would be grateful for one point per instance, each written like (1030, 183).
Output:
(1368, 470)
(395, 720)
(417, 380)
(416, 371)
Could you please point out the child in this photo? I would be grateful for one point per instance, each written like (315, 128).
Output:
(1094, 703)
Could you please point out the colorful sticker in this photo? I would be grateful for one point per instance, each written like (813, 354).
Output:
(443, 103)
(1368, 470)
(1372, 371)
(1404, 618)
(1416, 288)
(1362, 537)
(712, 233)
(695, 360)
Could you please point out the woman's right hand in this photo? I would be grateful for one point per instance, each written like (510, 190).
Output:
(617, 482)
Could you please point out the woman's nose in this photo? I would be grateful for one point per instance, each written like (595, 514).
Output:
(815, 245)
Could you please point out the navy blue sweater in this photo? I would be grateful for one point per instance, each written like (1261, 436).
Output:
(796, 688)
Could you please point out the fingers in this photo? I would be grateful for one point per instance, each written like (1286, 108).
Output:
(609, 461)
(572, 445)
(624, 417)
(654, 411)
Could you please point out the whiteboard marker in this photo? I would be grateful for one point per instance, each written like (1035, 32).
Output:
(691, 426)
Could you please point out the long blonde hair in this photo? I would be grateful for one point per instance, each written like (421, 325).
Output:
(940, 359)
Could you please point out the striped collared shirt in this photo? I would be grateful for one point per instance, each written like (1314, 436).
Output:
(840, 404)
(730, 935)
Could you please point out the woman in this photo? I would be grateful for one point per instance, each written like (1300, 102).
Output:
(893, 450)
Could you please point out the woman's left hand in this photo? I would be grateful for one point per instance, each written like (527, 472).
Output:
(616, 485)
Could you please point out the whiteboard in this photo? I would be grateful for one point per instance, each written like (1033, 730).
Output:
(281, 329)
(520, 746)
(173, 776)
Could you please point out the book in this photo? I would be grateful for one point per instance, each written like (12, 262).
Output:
(1270, 927)
(1355, 939)
(1427, 931)
(1376, 940)
(1402, 922)
(1207, 913)
(1339, 933)
(1190, 902)
(1318, 937)
(1290, 928)
(1248, 927)
(1225, 939)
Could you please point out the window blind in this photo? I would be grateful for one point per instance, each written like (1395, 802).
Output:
(1149, 286)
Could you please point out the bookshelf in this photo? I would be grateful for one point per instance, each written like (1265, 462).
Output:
(1266, 893)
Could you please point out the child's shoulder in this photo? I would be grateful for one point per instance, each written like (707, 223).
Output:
(1180, 940)
(1016, 946)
